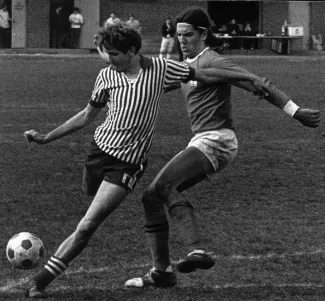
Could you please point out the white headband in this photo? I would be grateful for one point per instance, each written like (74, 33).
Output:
(184, 23)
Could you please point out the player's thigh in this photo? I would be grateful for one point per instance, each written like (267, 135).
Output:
(189, 164)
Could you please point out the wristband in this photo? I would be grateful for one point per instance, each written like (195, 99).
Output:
(290, 108)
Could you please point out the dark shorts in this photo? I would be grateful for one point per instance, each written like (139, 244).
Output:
(101, 166)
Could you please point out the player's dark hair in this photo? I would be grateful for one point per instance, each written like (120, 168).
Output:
(119, 36)
(200, 20)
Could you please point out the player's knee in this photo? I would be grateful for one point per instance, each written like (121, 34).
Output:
(151, 200)
(164, 188)
(85, 229)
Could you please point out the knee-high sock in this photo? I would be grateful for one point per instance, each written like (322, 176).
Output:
(157, 231)
(53, 268)
(182, 214)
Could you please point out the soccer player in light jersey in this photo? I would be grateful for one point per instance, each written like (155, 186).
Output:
(213, 146)
(131, 87)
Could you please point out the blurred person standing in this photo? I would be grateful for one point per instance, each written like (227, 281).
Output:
(76, 21)
(5, 30)
(112, 19)
(167, 43)
(60, 26)
(133, 23)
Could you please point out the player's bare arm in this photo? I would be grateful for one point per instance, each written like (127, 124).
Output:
(72, 125)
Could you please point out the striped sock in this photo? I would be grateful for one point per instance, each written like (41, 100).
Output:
(52, 269)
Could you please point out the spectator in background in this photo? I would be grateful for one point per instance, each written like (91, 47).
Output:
(5, 31)
(133, 23)
(60, 26)
(248, 43)
(76, 21)
(167, 43)
(113, 19)
(233, 30)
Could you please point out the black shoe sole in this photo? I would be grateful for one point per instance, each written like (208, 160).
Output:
(190, 265)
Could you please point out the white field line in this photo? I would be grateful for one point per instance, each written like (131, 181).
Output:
(11, 284)
(224, 286)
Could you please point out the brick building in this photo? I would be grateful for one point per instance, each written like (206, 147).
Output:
(32, 26)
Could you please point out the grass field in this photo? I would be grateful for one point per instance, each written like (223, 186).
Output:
(263, 216)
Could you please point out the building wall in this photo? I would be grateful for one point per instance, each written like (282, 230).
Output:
(38, 23)
(299, 15)
(273, 16)
(150, 13)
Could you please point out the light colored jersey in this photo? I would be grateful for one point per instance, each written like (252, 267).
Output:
(76, 20)
(209, 106)
(135, 24)
(4, 19)
(133, 106)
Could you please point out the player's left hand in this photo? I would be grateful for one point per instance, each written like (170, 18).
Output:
(308, 117)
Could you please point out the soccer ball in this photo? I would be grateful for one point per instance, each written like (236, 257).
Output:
(25, 251)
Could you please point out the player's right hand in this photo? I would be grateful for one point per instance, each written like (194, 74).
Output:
(33, 136)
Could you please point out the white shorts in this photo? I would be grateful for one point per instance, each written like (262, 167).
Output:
(219, 146)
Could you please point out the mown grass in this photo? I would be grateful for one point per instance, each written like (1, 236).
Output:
(268, 203)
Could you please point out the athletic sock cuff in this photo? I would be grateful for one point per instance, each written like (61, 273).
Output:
(55, 266)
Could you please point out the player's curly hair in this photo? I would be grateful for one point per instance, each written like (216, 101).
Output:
(118, 35)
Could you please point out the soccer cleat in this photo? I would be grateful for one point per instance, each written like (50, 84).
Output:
(153, 278)
(35, 293)
(195, 260)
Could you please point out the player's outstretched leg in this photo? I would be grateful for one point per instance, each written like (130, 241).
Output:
(107, 199)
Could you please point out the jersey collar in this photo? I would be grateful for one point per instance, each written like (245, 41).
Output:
(145, 62)
(195, 58)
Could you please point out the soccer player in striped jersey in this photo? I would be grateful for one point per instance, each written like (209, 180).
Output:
(213, 146)
(131, 88)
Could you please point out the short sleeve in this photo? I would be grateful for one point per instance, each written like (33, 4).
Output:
(177, 72)
(100, 94)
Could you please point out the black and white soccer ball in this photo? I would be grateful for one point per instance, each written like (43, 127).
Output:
(25, 251)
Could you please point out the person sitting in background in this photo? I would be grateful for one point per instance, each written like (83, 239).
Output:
(233, 30)
(248, 43)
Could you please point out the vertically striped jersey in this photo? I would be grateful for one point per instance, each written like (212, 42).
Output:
(133, 106)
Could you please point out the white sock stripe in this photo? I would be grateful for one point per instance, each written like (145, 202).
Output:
(57, 268)
(51, 271)
(59, 262)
